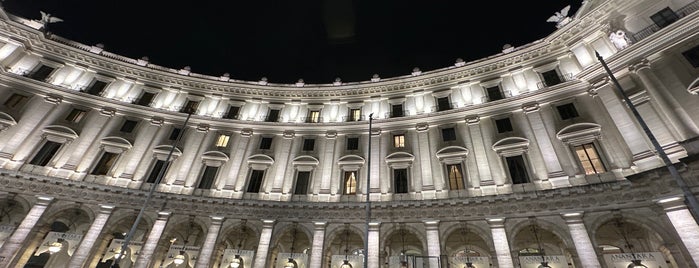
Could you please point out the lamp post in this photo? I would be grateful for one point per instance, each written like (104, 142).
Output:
(368, 194)
(691, 199)
(129, 236)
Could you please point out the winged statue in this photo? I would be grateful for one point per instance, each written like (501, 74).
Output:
(560, 17)
(47, 18)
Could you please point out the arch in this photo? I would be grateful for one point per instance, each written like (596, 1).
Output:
(447, 230)
(394, 230)
(554, 228)
(579, 133)
(452, 154)
(350, 160)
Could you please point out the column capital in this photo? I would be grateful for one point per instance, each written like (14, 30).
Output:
(203, 128)
(246, 132)
(531, 107)
(374, 226)
(267, 224)
(642, 64)
(43, 200)
(106, 209)
(422, 127)
(289, 134)
(157, 121)
(164, 215)
(671, 203)
(53, 99)
(108, 111)
(572, 217)
(331, 134)
(496, 222)
(473, 119)
(431, 224)
(215, 219)
(320, 225)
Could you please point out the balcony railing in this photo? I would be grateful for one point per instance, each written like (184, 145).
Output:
(562, 79)
(349, 118)
(681, 13)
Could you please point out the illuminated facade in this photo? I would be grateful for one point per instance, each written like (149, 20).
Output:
(530, 155)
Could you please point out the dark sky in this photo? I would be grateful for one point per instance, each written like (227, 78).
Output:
(285, 40)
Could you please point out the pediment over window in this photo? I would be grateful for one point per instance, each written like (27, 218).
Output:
(115, 145)
(350, 162)
(580, 133)
(214, 158)
(162, 151)
(59, 134)
(694, 87)
(6, 121)
(305, 163)
(511, 146)
(452, 154)
(399, 160)
(260, 161)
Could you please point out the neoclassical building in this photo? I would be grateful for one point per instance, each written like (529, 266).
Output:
(533, 157)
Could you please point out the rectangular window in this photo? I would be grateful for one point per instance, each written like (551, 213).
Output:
(400, 180)
(352, 144)
(207, 177)
(232, 112)
(309, 144)
(145, 99)
(448, 134)
(399, 141)
(46, 153)
(96, 87)
(503, 125)
(222, 140)
(105, 163)
(517, 169)
(128, 126)
(15, 101)
(350, 183)
(397, 110)
(158, 167)
(589, 159)
(76, 115)
(273, 115)
(265, 143)
(190, 107)
(664, 17)
(567, 111)
(456, 177)
(494, 93)
(355, 114)
(551, 78)
(255, 183)
(41, 73)
(443, 104)
(174, 134)
(302, 180)
(692, 56)
(313, 117)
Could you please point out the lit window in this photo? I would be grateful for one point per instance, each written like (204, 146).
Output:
(314, 117)
(350, 182)
(76, 115)
(456, 177)
(222, 140)
(589, 159)
(15, 101)
(190, 107)
(399, 141)
(355, 114)
(105, 163)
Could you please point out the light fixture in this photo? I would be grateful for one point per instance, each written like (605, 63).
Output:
(345, 262)
(544, 263)
(56, 246)
(403, 257)
(291, 263)
(236, 262)
(464, 238)
(179, 259)
(634, 261)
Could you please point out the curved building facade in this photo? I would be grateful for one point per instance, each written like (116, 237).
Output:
(527, 158)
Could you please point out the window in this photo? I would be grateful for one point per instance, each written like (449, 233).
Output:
(302, 179)
(174, 134)
(567, 111)
(400, 180)
(232, 112)
(517, 169)
(352, 143)
(551, 78)
(399, 141)
(589, 159)
(355, 114)
(308, 144)
(190, 107)
(207, 177)
(456, 177)
(494, 93)
(397, 110)
(96, 87)
(448, 134)
(145, 99)
(160, 166)
(273, 115)
(255, 181)
(46, 153)
(105, 163)
(350, 183)
(128, 126)
(443, 104)
(41, 73)
(664, 17)
(265, 143)
(76, 115)
(222, 140)
(692, 56)
(15, 101)
(313, 117)
(503, 125)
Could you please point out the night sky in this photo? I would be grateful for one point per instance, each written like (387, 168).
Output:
(317, 40)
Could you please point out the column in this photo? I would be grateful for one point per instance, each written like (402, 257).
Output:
(233, 165)
(12, 143)
(479, 151)
(376, 163)
(581, 239)
(373, 245)
(281, 159)
(85, 149)
(210, 242)
(685, 225)
(197, 164)
(144, 260)
(502, 247)
(263, 248)
(189, 153)
(327, 161)
(83, 252)
(14, 242)
(543, 141)
(425, 156)
(317, 247)
(146, 137)
(433, 244)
